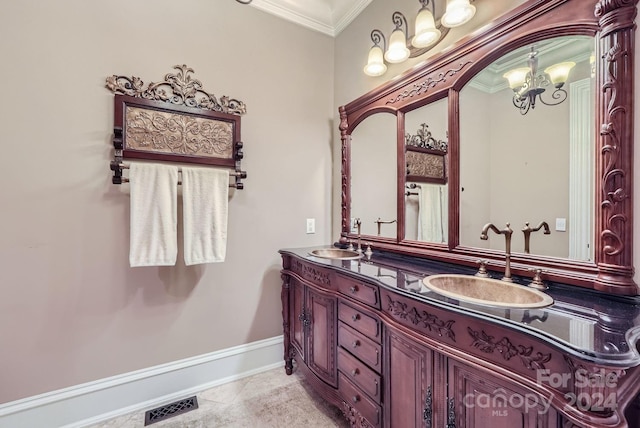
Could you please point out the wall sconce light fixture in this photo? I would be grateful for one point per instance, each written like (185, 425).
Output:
(528, 85)
(427, 32)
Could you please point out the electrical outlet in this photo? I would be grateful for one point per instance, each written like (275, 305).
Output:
(354, 229)
(311, 225)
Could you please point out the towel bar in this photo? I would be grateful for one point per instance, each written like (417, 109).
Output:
(242, 174)
(117, 178)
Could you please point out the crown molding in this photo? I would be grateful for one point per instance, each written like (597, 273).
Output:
(325, 16)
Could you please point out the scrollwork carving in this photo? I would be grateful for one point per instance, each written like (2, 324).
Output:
(356, 420)
(595, 377)
(165, 132)
(604, 7)
(316, 276)
(613, 180)
(425, 165)
(487, 344)
(427, 320)
(424, 139)
(430, 83)
(177, 88)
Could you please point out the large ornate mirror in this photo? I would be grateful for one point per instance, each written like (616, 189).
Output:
(565, 163)
(426, 191)
(373, 175)
(530, 162)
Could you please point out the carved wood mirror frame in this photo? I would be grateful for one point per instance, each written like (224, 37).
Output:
(612, 23)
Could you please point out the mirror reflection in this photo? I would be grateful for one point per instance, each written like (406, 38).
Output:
(426, 188)
(374, 176)
(526, 149)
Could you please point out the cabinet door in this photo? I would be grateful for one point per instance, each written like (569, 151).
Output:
(297, 317)
(408, 382)
(478, 399)
(322, 340)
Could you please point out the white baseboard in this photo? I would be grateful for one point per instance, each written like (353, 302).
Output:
(94, 402)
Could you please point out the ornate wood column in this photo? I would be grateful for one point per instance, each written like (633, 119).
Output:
(614, 141)
(346, 173)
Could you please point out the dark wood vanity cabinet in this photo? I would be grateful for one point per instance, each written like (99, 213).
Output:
(360, 361)
(313, 330)
(409, 385)
(426, 389)
(477, 399)
(387, 358)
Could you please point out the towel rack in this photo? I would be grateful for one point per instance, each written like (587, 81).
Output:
(175, 120)
(117, 168)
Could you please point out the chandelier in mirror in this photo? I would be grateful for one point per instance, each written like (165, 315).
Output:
(427, 32)
(529, 85)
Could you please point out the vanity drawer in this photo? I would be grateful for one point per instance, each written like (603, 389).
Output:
(360, 346)
(359, 400)
(360, 321)
(361, 375)
(358, 290)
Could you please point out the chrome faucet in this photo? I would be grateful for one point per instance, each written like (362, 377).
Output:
(507, 231)
(527, 233)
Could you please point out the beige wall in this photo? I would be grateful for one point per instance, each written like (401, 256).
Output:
(72, 310)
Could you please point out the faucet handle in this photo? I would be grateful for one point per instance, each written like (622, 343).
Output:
(537, 281)
(368, 252)
(482, 271)
(350, 245)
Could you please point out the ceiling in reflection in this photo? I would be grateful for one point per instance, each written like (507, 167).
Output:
(552, 51)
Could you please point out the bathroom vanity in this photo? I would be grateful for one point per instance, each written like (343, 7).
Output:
(374, 341)
(456, 152)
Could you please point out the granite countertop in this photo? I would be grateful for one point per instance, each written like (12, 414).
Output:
(591, 325)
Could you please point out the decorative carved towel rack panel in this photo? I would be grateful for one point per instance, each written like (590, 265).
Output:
(175, 120)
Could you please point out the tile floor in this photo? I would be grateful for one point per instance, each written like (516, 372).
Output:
(266, 400)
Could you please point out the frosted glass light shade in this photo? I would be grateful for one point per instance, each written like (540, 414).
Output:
(517, 77)
(375, 64)
(458, 12)
(426, 32)
(397, 51)
(559, 73)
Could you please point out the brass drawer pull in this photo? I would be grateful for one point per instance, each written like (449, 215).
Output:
(355, 317)
(355, 372)
(356, 344)
(354, 289)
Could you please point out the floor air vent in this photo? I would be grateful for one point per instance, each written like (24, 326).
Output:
(170, 410)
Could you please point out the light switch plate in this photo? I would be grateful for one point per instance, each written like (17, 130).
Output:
(311, 225)
(561, 224)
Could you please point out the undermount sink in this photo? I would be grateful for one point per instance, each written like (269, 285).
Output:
(336, 254)
(487, 291)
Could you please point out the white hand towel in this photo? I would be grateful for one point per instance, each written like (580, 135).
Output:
(154, 214)
(205, 202)
(432, 213)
